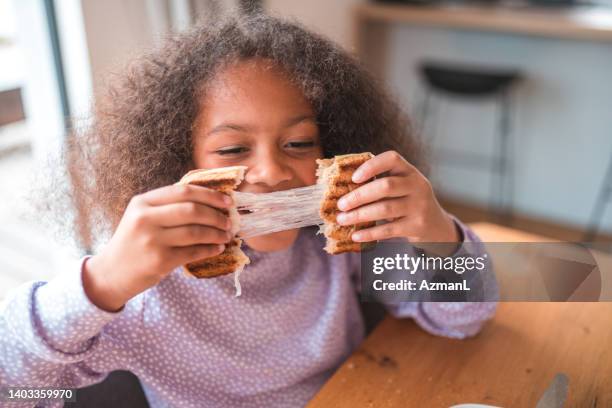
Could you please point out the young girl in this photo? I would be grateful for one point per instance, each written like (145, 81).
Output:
(251, 91)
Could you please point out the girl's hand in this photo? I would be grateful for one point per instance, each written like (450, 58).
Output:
(405, 198)
(160, 230)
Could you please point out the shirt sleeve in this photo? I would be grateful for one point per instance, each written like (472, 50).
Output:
(52, 335)
(456, 319)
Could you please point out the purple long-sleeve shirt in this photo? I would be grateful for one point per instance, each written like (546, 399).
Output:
(192, 343)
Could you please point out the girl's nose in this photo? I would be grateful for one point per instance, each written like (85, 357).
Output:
(268, 170)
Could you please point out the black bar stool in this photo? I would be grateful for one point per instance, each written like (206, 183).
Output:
(465, 82)
(604, 196)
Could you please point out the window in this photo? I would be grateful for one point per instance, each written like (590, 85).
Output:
(31, 125)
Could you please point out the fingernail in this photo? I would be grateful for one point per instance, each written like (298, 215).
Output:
(341, 218)
(228, 200)
(228, 224)
(356, 236)
(357, 175)
(342, 204)
(221, 247)
(228, 235)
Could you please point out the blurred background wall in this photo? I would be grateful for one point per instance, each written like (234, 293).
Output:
(562, 119)
(333, 19)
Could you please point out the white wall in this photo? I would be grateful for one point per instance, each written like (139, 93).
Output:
(563, 118)
(115, 30)
(330, 18)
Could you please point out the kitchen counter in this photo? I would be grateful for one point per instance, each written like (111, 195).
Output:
(580, 23)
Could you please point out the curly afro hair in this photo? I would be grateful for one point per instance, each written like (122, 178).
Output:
(141, 134)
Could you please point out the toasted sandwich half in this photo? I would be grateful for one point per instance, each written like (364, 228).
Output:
(232, 259)
(336, 174)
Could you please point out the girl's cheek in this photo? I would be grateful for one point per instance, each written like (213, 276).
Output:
(307, 174)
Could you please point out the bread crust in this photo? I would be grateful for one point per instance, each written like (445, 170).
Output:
(225, 180)
(336, 174)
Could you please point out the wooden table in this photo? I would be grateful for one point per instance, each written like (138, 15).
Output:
(509, 364)
(371, 23)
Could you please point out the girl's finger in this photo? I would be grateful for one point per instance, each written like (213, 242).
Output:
(379, 232)
(390, 161)
(183, 193)
(375, 190)
(194, 234)
(174, 215)
(183, 255)
(379, 210)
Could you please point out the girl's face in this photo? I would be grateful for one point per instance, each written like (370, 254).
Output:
(252, 115)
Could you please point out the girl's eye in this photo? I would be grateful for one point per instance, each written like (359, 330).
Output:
(231, 150)
(300, 145)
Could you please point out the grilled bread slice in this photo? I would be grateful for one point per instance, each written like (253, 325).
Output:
(335, 174)
(232, 259)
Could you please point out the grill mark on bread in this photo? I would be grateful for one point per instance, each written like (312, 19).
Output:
(337, 247)
(348, 167)
(220, 261)
(339, 184)
(224, 186)
(340, 232)
(330, 205)
(212, 270)
(232, 258)
(337, 174)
